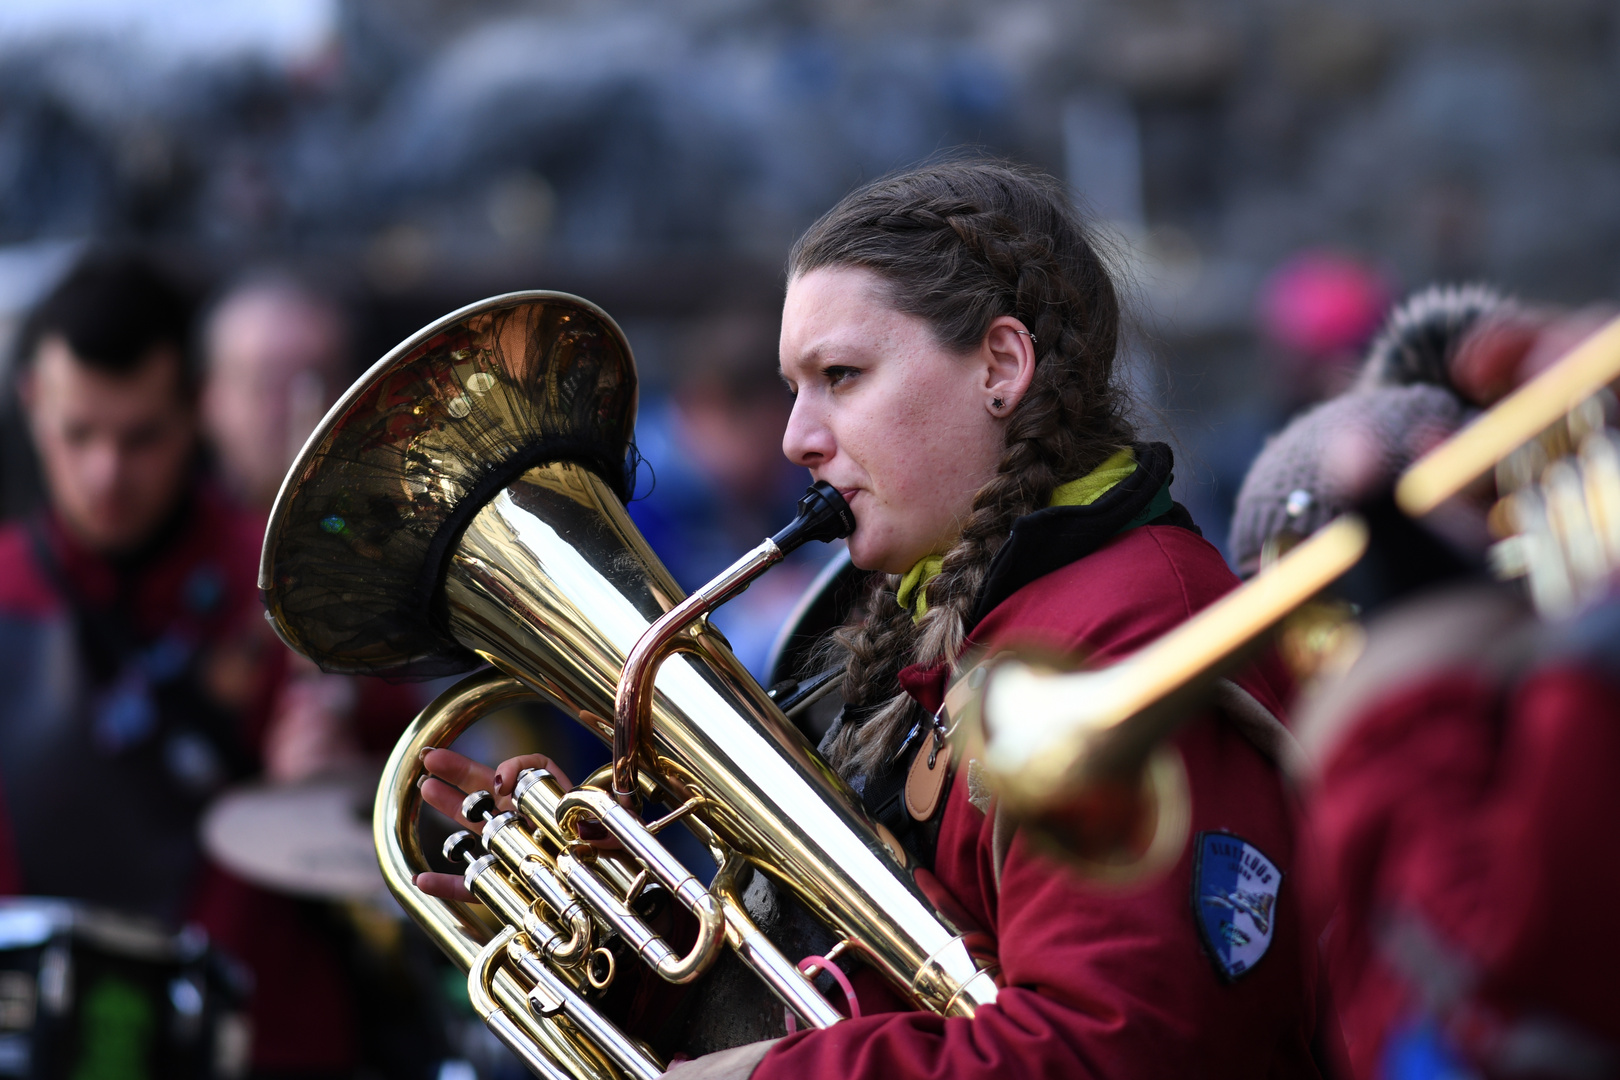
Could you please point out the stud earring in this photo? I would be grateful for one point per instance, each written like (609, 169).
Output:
(998, 404)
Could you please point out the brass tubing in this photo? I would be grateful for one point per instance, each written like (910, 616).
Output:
(480, 980)
(667, 871)
(602, 1031)
(453, 927)
(537, 796)
(503, 896)
(632, 705)
(505, 839)
(789, 984)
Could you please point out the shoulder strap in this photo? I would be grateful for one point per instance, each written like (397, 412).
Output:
(1257, 724)
(884, 797)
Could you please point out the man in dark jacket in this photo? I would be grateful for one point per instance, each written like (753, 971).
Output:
(138, 673)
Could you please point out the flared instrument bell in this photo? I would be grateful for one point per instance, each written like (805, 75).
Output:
(372, 509)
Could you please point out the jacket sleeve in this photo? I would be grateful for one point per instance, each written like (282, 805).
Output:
(1458, 822)
(1104, 982)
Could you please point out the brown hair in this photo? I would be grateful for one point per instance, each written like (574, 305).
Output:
(959, 244)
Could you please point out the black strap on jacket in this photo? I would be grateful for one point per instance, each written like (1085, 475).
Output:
(884, 795)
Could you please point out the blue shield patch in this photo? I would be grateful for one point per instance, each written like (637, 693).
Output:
(1234, 901)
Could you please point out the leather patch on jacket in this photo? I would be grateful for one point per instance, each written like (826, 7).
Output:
(926, 781)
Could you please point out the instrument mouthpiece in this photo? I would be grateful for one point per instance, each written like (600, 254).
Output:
(823, 515)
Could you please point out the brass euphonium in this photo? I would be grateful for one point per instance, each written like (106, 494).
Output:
(463, 503)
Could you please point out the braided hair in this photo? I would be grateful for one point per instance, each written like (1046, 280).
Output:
(960, 244)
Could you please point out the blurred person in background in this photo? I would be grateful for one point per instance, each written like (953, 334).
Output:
(277, 355)
(721, 484)
(1461, 772)
(1346, 451)
(138, 670)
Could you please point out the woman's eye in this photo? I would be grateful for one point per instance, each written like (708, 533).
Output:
(839, 374)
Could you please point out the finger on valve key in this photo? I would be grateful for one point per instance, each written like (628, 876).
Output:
(1487, 360)
(452, 776)
(444, 886)
(506, 775)
(1511, 347)
(447, 800)
(457, 770)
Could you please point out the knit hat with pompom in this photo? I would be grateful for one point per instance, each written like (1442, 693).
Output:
(1347, 448)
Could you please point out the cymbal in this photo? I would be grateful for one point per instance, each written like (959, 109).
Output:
(312, 838)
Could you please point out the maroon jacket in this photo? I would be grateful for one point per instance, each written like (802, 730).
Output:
(1466, 820)
(1100, 982)
(197, 591)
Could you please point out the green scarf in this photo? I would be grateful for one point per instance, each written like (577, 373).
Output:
(1082, 492)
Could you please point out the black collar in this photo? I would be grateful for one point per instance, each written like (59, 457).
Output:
(1052, 538)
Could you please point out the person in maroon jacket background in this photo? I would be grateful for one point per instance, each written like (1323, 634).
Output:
(1463, 798)
(139, 673)
(1462, 770)
(949, 335)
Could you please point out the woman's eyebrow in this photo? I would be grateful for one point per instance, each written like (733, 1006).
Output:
(807, 359)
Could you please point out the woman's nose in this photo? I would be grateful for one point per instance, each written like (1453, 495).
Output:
(807, 441)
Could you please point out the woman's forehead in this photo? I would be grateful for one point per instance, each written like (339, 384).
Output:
(838, 308)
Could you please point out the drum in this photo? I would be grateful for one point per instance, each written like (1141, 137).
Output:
(89, 993)
(310, 839)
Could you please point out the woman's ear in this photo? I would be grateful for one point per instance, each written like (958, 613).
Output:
(1008, 355)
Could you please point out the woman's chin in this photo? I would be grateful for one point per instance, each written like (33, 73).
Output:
(859, 554)
(874, 556)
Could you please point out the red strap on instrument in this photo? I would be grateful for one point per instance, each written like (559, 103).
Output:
(812, 964)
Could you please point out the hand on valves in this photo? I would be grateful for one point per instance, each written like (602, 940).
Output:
(451, 778)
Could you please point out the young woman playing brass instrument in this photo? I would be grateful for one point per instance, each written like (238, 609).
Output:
(950, 338)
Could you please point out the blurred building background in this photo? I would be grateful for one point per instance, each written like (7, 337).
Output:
(1270, 172)
(412, 155)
